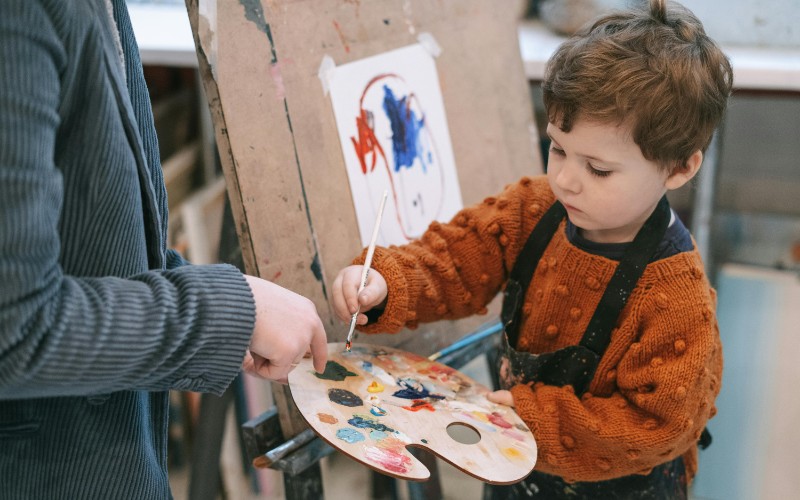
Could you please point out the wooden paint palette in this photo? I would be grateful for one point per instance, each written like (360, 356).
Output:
(375, 402)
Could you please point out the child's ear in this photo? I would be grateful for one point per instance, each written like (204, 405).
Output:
(683, 175)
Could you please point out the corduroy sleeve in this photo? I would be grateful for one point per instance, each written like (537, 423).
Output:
(659, 395)
(455, 269)
(63, 335)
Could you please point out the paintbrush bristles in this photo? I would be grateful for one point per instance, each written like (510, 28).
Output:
(367, 264)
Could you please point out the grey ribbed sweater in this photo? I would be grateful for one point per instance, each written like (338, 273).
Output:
(97, 319)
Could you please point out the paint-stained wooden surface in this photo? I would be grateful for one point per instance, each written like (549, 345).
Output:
(375, 402)
(278, 139)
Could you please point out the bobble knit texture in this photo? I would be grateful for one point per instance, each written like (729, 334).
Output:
(654, 388)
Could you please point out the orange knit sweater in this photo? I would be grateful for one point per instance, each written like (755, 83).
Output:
(654, 388)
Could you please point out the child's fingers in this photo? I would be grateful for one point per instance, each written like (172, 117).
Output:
(351, 282)
(501, 397)
(374, 293)
(340, 307)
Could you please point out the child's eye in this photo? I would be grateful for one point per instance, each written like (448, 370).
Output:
(597, 172)
(556, 150)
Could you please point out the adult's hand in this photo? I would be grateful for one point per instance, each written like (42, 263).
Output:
(287, 327)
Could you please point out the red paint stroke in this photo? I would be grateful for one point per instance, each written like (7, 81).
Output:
(419, 404)
(441, 369)
(514, 435)
(341, 36)
(498, 420)
(368, 144)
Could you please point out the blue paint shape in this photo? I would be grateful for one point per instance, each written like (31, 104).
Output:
(414, 390)
(367, 423)
(406, 128)
(350, 435)
(378, 435)
(377, 411)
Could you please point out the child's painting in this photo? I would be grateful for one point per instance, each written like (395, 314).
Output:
(393, 131)
(374, 403)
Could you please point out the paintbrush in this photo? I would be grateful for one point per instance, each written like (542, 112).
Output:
(365, 269)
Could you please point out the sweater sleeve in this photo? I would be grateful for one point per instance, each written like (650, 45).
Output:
(455, 269)
(650, 407)
(63, 335)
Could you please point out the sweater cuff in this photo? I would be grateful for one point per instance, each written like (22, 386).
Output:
(393, 318)
(225, 327)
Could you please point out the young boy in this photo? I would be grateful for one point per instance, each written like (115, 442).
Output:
(611, 350)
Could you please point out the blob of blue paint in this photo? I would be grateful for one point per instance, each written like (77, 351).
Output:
(377, 411)
(414, 390)
(406, 128)
(378, 435)
(350, 435)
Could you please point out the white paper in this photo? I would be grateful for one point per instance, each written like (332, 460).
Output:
(393, 131)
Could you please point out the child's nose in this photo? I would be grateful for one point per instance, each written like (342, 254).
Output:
(568, 178)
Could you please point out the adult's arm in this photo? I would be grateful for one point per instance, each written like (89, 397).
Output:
(61, 335)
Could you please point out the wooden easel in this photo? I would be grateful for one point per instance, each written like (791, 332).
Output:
(278, 142)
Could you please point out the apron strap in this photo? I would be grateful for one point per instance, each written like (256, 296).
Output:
(524, 267)
(636, 257)
(630, 269)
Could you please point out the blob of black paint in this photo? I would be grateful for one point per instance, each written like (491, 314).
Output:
(334, 371)
(344, 397)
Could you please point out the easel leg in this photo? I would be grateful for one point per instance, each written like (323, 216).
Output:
(430, 489)
(304, 486)
(205, 477)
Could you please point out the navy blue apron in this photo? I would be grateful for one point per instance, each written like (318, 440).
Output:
(576, 365)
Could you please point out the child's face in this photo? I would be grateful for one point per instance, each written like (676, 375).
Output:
(600, 176)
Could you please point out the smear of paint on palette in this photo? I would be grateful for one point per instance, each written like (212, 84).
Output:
(512, 453)
(390, 454)
(414, 390)
(364, 421)
(344, 397)
(327, 419)
(419, 404)
(498, 420)
(334, 371)
(350, 435)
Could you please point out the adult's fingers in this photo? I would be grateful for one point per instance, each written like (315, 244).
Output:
(319, 347)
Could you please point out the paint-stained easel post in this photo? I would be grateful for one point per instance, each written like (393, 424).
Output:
(286, 188)
(278, 142)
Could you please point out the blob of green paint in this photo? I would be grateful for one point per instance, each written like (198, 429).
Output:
(334, 371)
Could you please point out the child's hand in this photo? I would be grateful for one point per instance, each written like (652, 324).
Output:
(346, 298)
(501, 397)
